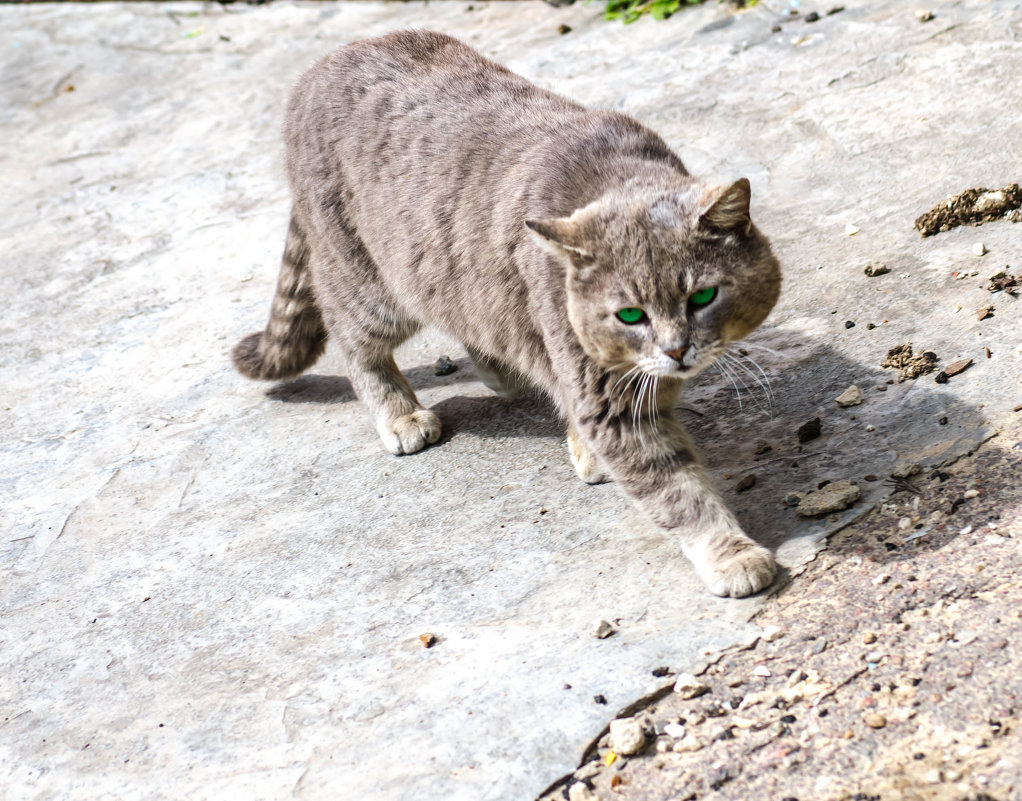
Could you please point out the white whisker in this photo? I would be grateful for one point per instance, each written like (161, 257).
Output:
(727, 374)
(736, 364)
(764, 383)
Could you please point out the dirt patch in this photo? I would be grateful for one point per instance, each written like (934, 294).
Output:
(908, 365)
(972, 207)
(888, 670)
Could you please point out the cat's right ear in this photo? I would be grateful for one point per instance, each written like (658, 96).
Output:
(561, 238)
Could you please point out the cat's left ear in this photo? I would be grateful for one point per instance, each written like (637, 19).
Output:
(561, 237)
(726, 208)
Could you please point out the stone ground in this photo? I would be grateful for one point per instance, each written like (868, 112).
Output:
(888, 669)
(215, 589)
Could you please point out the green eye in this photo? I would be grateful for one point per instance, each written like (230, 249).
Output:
(631, 316)
(702, 297)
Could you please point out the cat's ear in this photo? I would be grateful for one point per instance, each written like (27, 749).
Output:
(726, 208)
(561, 237)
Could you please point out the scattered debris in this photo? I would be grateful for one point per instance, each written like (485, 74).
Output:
(952, 369)
(627, 736)
(909, 366)
(746, 483)
(850, 397)
(979, 249)
(428, 639)
(834, 497)
(809, 430)
(875, 268)
(603, 630)
(971, 207)
(444, 366)
(688, 686)
(1001, 281)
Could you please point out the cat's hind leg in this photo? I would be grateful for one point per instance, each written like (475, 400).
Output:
(403, 425)
(367, 324)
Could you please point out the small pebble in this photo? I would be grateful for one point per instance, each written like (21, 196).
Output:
(875, 268)
(674, 730)
(688, 744)
(809, 430)
(924, 15)
(849, 324)
(444, 366)
(762, 446)
(580, 791)
(850, 397)
(871, 428)
(869, 637)
(603, 630)
(428, 639)
(834, 497)
(746, 483)
(688, 686)
(979, 249)
(874, 720)
(563, 29)
(812, 16)
(851, 230)
(968, 494)
(772, 633)
(627, 736)
(600, 699)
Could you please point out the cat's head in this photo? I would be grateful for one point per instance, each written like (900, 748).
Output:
(663, 280)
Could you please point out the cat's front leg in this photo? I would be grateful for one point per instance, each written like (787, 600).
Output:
(657, 466)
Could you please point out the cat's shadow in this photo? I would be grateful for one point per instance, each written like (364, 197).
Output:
(318, 388)
(745, 423)
(488, 416)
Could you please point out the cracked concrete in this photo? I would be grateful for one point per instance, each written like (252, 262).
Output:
(212, 588)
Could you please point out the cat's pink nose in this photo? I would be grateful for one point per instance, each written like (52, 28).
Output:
(677, 354)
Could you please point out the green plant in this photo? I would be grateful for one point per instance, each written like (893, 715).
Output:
(630, 10)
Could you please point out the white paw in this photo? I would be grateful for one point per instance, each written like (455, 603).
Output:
(586, 465)
(735, 567)
(411, 432)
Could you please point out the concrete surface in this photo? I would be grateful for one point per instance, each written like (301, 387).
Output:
(210, 590)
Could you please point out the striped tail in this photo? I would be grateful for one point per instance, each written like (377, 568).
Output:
(295, 335)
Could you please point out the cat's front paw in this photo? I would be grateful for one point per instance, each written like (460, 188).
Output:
(586, 464)
(411, 432)
(734, 567)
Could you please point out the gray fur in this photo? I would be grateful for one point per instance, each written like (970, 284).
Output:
(432, 186)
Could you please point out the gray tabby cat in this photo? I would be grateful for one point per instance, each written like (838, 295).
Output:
(568, 249)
